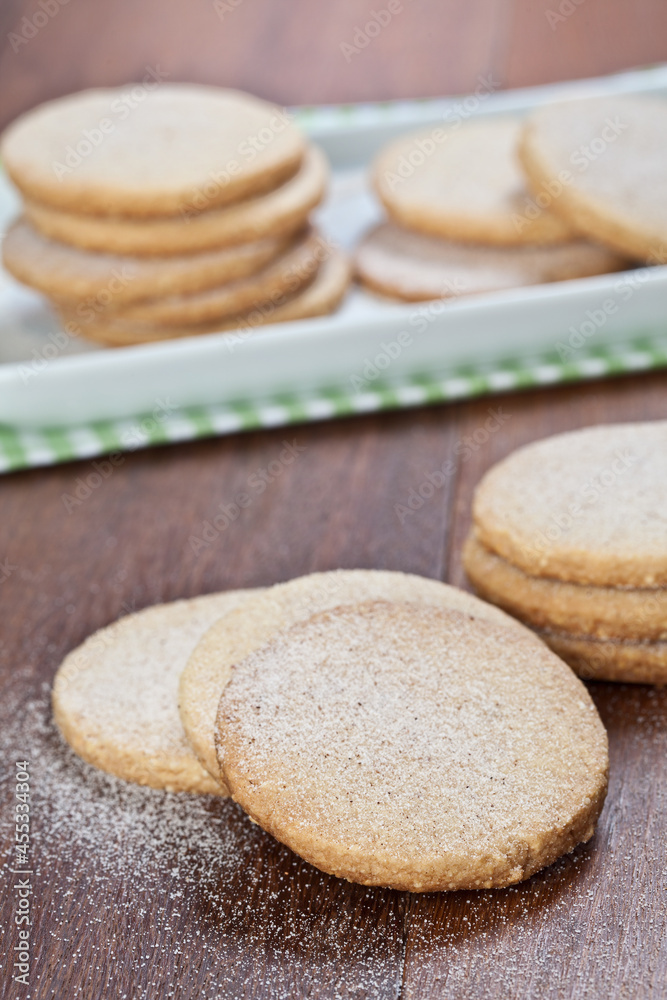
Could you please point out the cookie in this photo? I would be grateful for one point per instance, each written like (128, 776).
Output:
(209, 667)
(414, 747)
(149, 150)
(463, 182)
(601, 164)
(611, 660)
(115, 698)
(414, 267)
(601, 613)
(278, 213)
(94, 281)
(321, 296)
(283, 276)
(584, 507)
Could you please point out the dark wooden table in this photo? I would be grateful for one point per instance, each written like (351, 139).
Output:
(255, 920)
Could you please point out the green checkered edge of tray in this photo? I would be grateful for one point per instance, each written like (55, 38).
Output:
(22, 448)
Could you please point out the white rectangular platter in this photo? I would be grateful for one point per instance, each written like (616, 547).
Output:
(47, 379)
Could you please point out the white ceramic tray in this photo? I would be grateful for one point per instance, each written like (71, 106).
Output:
(44, 382)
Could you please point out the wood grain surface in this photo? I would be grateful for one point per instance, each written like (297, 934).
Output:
(124, 906)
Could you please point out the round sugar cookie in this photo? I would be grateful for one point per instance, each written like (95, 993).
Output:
(150, 149)
(613, 613)
(464, 183)
(323, 295)
(282, 276)
(209, 667)
(115, 697)
(611, 660)
(96, 281)
(602, 162)
(414, 747)
(278, 213)
(585, 507)
(415, 267)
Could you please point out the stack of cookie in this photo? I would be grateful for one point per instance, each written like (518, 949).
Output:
(366, 719)
(570, 536)
(575, 190)
(152, 214)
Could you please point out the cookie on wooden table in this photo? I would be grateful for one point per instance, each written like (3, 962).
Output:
(604, 633)
(570, 535)
(406, 265)
(585, 507)
(170, 148)
(115, 697)
(464, 182)
(209, 668)
(601, 613)
(611, 659)
(602, 163)
(322, 296)
(278, 213)
(414, 747)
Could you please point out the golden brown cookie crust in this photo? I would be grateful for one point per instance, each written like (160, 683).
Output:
(463, 183)
(584, 507)
(209, 667)
(278, 213)
(115, 697)
(415, 267)
(322, 296)
(95, 281)
(608, 660)
(404, 746)
(283, 276)
(180, 147)
(619, 613)
(605, 161)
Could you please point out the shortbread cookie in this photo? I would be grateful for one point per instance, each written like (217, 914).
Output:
(616, 613)
(464, 183)
(115, 698)
(609, 660)
(149, 150)
(278, 213)
(586, 507)
(414, 267)
(601, 163)
(283, 276)
(209, 667)
(92, 282)
(323, 295)
(414, 747)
